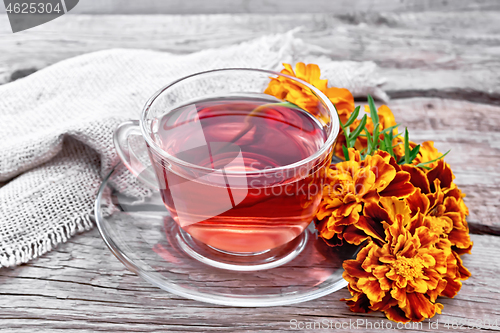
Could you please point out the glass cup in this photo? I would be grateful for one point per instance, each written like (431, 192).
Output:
(234, 205)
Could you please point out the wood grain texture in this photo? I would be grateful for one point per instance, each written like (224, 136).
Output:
(440, 54)
(81, 287)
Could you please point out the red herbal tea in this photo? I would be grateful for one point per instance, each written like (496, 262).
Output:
(238, 198)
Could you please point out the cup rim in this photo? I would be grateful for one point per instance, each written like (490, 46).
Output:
(335, 126)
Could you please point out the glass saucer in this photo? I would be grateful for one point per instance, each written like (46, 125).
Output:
(139, 231)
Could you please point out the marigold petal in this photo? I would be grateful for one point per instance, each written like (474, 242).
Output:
(350, 214)
(392, 234)
(386, 117)
(400, 281)
(372, 289)
(465, 250)
(399, 187)
(408, 250)
(404, 247)
(387, 159)
(441, 171)
(394, 313)
(327, 227)
(354, 156)
(433, 278)
(418, 202)
(379, 272)
(313, 74)
(434, 293)
(364, 253)
(395, 207)
(441, 264)
(418, 285)
(387, 259)
(353, 268)
(385, 304)
(453, 286)
(364, 182)
(419, 307)
(427, 153)
(464, 273)
(460, 238)
(417, 177)
(455, 193)
(417, 221)
(301, 71)
(342, 99)
(428, 260)
(334, 241)
(376, 213)
(383, 171)
(358, 303)
(455, 219)
(288, 69)
(371, 228)
(399, 294)
(371, 260)
(323, 212)
(425, 237)
(452, 204)
(353, 235)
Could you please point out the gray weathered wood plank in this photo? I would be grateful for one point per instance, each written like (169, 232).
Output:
(81, 287)
(442, 54)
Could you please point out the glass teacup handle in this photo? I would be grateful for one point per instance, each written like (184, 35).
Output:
(133, 152)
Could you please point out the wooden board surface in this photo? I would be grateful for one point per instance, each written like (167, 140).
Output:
(82, 287)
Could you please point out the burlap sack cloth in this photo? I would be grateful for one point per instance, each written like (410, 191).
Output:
(56, 128)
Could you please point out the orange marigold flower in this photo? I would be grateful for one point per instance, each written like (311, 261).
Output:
(455, 270)
(410, 221)
(441, 203)
(351, 185)
(403, 277)
(285, 89)
(438, 205)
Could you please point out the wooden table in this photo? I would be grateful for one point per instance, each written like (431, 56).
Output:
(443, 71)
